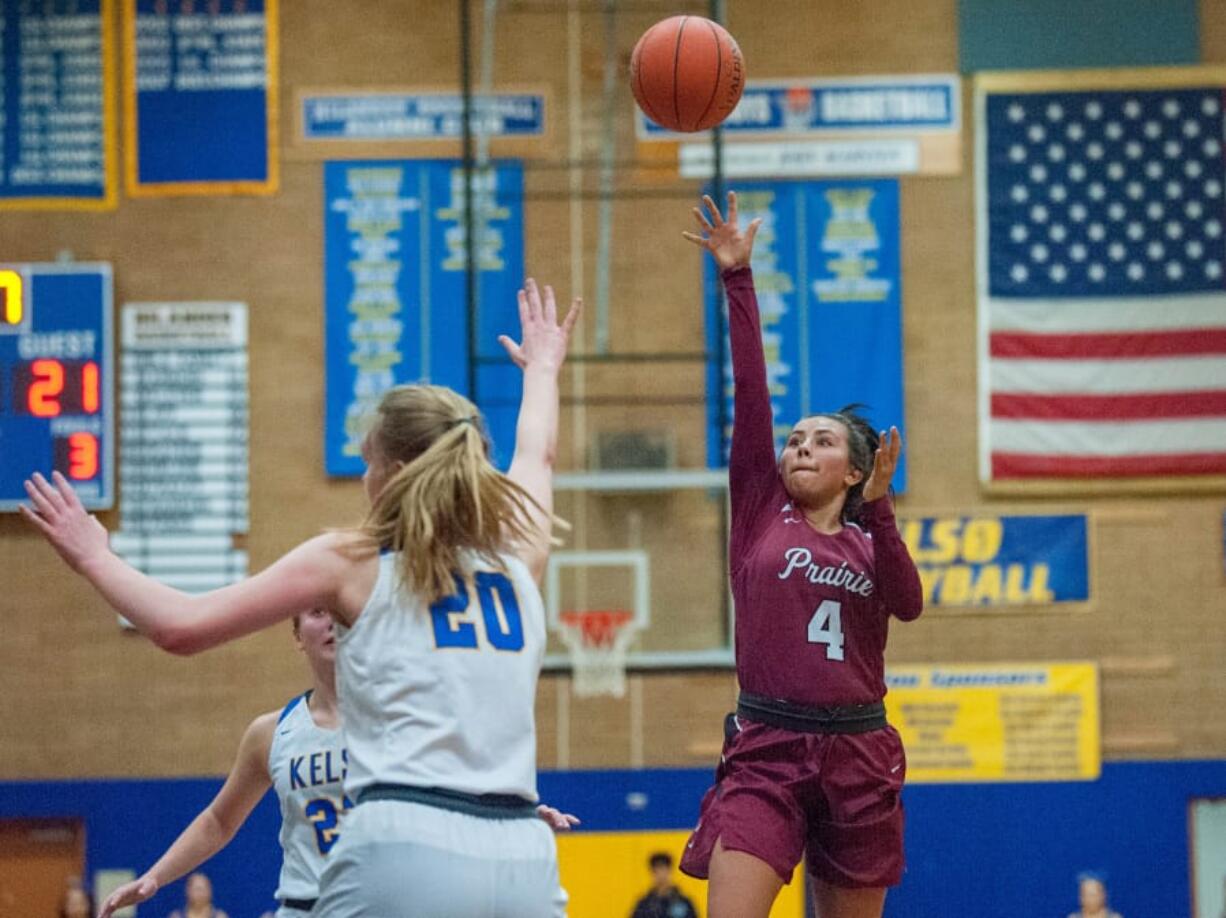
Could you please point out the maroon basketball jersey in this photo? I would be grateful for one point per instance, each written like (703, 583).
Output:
(812, 609)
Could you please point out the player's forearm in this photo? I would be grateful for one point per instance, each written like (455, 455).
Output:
(199, 841)
(751, 462)
(897, 578)
(159, 612)
(536, 431)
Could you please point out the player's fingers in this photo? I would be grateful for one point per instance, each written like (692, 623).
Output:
(572, 316)
(48, 491)
(886, 448)
(534, 299)
(732, 207)
(696, 239)
(551, 307)
(716, 217)
(702, 221)
(42, 503)
(521, 299)
(513, 350)
(753, 230)
(67, 492)
(43, 526)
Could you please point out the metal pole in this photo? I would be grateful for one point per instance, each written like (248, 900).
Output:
(608, 155)
(470, 241)
(485, 90)
(717, 12)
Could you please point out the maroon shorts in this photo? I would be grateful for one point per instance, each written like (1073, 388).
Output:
(834, 798)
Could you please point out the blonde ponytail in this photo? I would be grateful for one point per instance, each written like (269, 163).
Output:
(447, 498)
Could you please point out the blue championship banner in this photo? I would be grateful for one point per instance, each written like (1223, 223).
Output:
(200, 97)
(395, 292)
(418, 116)
(827, 272)
(57, 110)
(989, 560)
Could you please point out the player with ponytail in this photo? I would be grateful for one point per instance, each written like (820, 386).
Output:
(440, 634)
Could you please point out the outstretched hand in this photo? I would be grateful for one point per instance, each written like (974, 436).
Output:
(544, 341)
(59, 515)
(139, 890)
(730, 247)
(556, 819)
(885, 461)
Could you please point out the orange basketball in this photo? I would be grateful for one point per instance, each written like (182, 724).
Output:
(687, 73)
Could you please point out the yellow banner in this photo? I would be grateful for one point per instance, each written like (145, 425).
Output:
(997, 722)
(605, 874)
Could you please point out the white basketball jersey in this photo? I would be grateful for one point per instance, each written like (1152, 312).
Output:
(442, 695)
(307, 764)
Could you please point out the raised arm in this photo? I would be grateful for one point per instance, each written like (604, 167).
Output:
(312, 575)
(899, 589)
(540, 355)
(752, 470)
(212, 830)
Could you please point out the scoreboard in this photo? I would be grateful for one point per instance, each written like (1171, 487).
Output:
(56, 373)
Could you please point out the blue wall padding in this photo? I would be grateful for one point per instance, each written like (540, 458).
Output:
(1005, 850)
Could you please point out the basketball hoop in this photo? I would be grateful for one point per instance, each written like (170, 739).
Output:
(597, 642)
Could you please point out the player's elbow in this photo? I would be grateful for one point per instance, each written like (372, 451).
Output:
(909, 612)
(178, 639)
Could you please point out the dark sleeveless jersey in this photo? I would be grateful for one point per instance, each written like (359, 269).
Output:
(812, 610)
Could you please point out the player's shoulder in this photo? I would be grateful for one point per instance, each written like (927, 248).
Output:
(258, 737)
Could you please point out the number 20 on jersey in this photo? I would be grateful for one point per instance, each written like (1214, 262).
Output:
(496, 622)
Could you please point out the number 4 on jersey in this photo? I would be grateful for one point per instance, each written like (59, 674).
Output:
(826, 627)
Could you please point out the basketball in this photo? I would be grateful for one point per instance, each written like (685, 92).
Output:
(687, 73)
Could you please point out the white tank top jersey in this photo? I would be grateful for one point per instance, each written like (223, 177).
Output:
(307, 764)
(442, 695)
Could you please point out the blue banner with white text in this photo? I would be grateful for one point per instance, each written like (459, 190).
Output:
(57, 119)
(395, 302)
(201, 97)
(828, 278)
(817, 107)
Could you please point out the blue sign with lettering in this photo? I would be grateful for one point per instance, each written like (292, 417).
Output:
(56, 352)
(395, 302)
(816, 107)
(425, 116)
(1000, 560)
(55, 129)
(199, 107)
(828, 278)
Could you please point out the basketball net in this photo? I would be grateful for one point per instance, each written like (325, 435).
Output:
(597, 643)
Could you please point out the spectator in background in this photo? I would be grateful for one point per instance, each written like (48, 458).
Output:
(1092, 893)
(76, 903)
(199, 900)
(664, 899)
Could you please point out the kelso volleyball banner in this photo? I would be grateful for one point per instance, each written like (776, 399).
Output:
(1000, 561)
(997, 722)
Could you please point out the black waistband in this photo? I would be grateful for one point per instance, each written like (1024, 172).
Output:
(489, 806)
(302, 905)
(852, 718)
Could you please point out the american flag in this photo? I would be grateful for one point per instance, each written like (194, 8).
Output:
(1102, 298)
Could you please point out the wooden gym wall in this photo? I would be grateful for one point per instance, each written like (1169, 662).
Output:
(84, 698)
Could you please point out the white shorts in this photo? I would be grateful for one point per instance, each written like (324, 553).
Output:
(407, 860)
